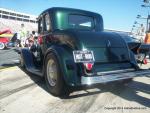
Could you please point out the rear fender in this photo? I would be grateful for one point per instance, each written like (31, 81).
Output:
(66, 62)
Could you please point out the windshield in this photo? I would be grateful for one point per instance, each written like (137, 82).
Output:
(81, 22)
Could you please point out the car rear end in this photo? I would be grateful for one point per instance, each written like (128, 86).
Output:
(105, 57)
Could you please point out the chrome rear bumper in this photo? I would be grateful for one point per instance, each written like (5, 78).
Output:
(112, 77)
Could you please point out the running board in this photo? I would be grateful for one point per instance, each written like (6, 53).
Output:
(88, 80)
(35, 71)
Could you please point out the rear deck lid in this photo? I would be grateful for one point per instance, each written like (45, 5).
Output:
(106, 46)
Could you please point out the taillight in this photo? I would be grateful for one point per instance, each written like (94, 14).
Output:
(88, 66)
(145, 61)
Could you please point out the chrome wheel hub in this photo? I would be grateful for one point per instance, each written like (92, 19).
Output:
(51, 72)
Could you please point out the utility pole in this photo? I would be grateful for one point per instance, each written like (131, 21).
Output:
(146, 1)
(147, 5)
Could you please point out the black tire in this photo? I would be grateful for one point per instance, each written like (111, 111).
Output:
(60, 88)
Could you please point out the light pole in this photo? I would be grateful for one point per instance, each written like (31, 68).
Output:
(147, 5)
(147, 18)
(134, 28)
(136, 23)
(146, 1)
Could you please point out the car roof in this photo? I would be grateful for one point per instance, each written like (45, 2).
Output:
(63, 9)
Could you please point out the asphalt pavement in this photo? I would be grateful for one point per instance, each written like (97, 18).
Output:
(9, 57)
(23, 92)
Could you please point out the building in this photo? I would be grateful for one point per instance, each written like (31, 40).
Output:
(13, 20)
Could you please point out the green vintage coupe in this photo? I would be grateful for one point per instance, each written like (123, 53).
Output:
(73, 50)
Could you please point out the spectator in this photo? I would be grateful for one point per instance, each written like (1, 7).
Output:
(23, 35)
(18, 41)
(32, 39)
(147, 38)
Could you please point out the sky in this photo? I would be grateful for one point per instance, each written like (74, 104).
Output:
(117, 14)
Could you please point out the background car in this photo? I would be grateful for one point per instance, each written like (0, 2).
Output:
(14, 42)
(5, 36)
(3, 42)
(137, 45)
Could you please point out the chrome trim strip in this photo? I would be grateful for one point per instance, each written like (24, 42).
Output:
(115, 71)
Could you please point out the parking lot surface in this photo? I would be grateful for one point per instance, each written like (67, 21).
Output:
(9, 58)
(23, 92)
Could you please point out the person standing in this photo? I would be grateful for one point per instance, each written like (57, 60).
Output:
(147, 38)
(23, 35)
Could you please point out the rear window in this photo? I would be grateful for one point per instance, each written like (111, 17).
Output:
(81, 22)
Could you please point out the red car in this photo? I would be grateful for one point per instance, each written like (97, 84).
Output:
(4, 40)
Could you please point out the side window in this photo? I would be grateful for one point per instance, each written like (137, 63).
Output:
(40, 25)
(47, 23)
